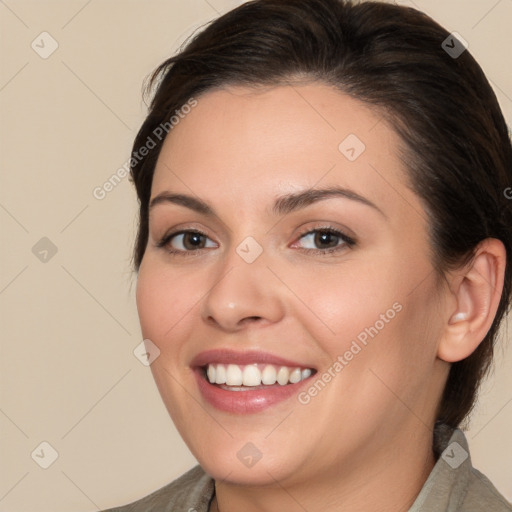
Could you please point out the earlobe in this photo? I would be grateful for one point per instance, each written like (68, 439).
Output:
(477, 291)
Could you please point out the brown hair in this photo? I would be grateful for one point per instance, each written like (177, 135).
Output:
(456, 143)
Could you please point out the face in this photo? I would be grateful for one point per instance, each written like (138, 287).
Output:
(249, 274)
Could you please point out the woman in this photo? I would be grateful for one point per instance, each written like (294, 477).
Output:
(324, 258)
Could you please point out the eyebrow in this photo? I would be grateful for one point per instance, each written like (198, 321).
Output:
(283, 205)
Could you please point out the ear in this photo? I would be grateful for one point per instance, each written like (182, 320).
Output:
(477, 292)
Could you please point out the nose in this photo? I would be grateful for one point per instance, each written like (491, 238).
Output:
(243, 294)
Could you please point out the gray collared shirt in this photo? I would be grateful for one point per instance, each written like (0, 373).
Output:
(452, 486)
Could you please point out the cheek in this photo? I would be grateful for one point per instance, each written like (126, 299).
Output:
(398, 360)
(164, 300)
(376, 317)
(339, 305)
(150, 303)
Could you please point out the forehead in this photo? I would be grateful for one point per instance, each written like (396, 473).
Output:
(244, 145)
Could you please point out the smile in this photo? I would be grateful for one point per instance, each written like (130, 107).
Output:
(237, 378)
(247, 382)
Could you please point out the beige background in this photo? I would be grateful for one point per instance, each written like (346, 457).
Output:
(69, 324)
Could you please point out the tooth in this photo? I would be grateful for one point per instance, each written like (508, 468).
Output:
(295, 375)
(251, 376)
(305, 374)
(233, 375)
(220, 374)
(269, 375)
(283, 375)
(211, 373)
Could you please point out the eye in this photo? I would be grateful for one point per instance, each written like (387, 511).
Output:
(328, 240)
(185, 241)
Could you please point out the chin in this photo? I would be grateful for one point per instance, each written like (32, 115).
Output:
(229, 470)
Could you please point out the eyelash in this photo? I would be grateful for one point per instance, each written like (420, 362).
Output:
(348, 242)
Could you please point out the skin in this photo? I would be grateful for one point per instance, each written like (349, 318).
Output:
(365, 441)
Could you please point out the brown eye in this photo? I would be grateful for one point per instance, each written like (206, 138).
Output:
(192, 240)
(326, 240)
(185, 241)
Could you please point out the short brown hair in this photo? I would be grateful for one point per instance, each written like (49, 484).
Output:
(457, 147)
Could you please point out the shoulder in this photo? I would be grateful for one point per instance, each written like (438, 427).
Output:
(454, 485)
(191, 492)
(482, 495)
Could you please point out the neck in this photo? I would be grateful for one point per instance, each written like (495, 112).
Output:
(387, 482)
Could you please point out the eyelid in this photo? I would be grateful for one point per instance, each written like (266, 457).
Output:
(166, 239)
(183, 227)
(338, 232)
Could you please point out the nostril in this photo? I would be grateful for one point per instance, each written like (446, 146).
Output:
(250, 319)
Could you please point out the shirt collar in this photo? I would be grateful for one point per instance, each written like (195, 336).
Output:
(447, 483)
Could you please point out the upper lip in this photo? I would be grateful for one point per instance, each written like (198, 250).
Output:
(229, 356)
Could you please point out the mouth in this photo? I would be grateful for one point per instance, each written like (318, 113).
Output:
(248, 382)
(234, 377)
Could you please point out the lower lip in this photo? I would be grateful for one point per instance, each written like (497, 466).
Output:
(245, 402)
